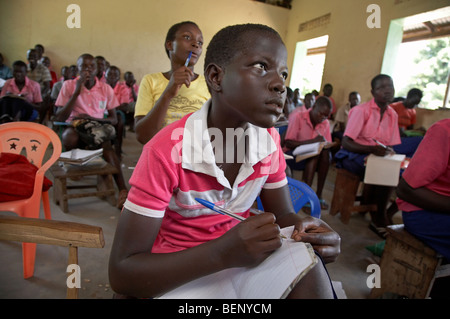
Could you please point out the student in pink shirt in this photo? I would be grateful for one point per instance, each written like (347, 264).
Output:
(368, 123)
(82, 102)
(164, 238)
(424, 190)
(308, 127)
(21, 96)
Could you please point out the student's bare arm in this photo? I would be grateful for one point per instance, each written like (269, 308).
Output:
(147, 126)
(135, 271)
(352, 146)
(308, 229)
(63, 112)
(423, 197)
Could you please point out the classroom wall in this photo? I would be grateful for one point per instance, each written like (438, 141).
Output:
(355, 51)
(129, 34)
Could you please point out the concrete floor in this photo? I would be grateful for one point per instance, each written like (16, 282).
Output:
(49, 281)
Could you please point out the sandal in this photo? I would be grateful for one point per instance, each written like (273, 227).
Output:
(123, 194)
(323, 204)
(380, 231)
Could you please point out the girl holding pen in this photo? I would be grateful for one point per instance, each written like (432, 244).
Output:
(165, 238)
(165, 97)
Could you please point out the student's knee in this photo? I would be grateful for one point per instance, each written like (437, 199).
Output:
(315, 284)
(70, 139)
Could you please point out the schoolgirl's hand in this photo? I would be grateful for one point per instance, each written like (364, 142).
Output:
(180, 76)
(250, 242)
(321, 236)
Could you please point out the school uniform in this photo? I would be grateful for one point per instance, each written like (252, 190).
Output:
(31, 92)
(300, 128)
(430, 168)
(406, 117)
(364, 126)
(93, 102)
(178, 165)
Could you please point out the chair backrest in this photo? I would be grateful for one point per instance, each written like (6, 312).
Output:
(301, 194)
(31, 140)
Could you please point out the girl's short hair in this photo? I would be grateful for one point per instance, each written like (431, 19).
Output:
(171, 34)
(230, 40)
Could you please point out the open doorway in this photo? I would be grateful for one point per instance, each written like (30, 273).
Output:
(417, 55)
(307, 69)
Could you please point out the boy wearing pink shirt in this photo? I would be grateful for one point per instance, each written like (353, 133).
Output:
(83, 102)
(308, 127)
(369, 123)
(21, 96)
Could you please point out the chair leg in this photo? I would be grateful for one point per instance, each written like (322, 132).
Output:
(46, 204)
(28, 256)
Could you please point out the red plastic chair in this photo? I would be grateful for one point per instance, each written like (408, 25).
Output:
(34, 138)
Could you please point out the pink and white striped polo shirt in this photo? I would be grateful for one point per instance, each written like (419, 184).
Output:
(179, 164)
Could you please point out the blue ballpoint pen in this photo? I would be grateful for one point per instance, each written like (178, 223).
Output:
(224, 211)
(218, 209)
(188, 59)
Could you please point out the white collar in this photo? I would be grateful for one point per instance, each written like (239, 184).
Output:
(198, 154)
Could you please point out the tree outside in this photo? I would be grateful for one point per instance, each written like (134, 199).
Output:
(424, 65)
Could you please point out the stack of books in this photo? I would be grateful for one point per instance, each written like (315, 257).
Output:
(80, 157)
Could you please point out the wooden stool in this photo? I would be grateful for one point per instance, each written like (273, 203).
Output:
(104, 186)
(408, 266)
(345, 195)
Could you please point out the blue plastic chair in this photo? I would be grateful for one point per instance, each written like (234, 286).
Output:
(301, 194)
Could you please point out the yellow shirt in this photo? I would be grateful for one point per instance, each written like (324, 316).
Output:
(187, 101)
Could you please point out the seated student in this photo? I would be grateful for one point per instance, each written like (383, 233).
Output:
(297, 98)
(128, 97)
(47, 63)
(309, 127)
(406, 119)
(101, 68)
(166, 97)
(21, 96)
(369, 123)
(164, 237)
(328, 91)
(66, 74)
(406, 110)
(112, 76)
(5, 71)
(39, 52)
(309, 101)
(39, 73)
(83, 102)
(342, 115)
(424, 190)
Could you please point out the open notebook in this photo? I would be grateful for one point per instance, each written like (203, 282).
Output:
(80, 157)
(272, 279)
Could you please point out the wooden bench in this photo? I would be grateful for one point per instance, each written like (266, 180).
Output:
(345, 196)
(408, 266)
(52, 232)
(104, 186)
